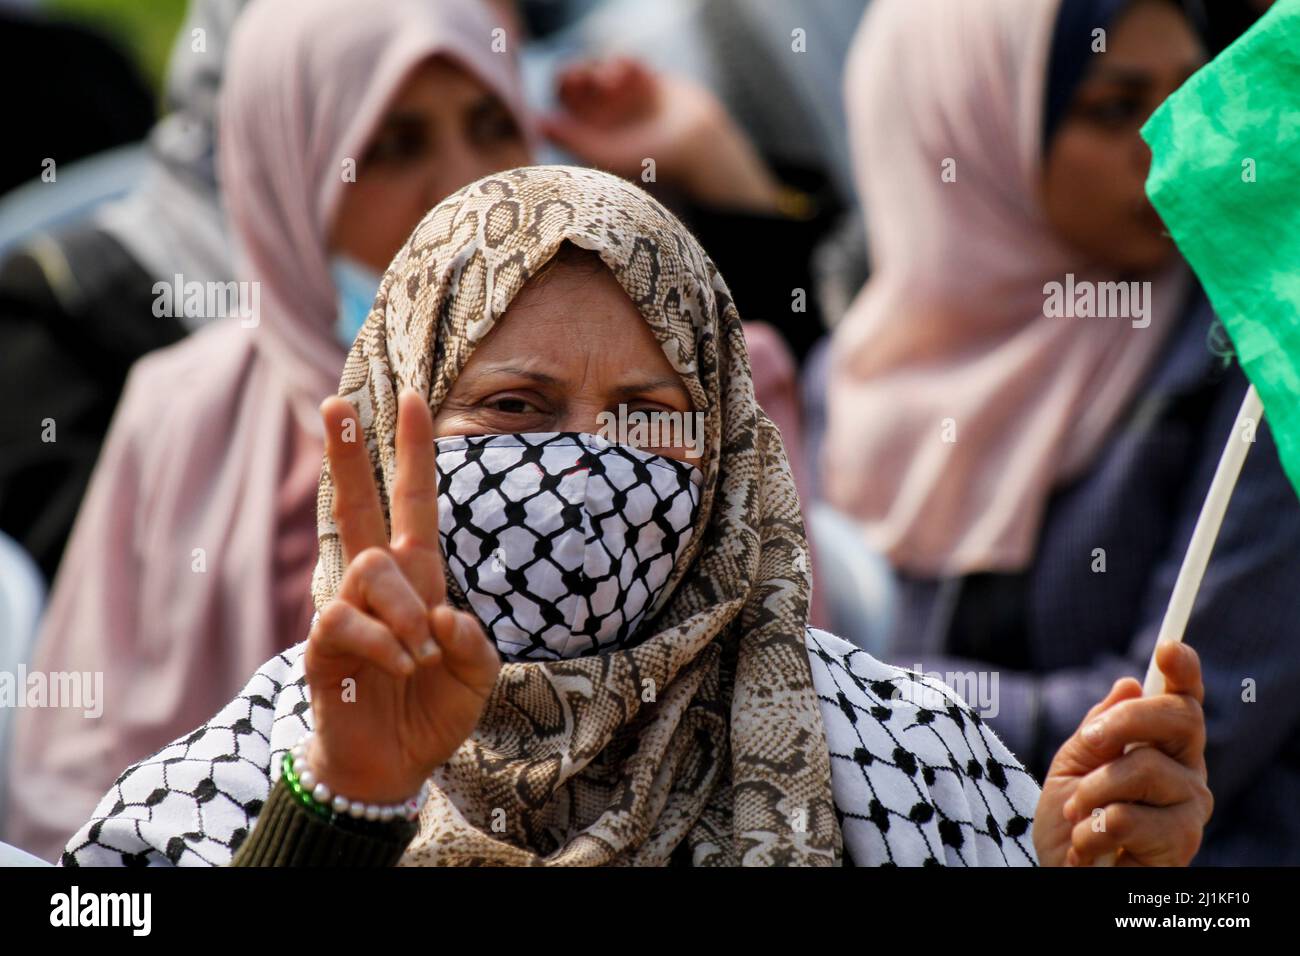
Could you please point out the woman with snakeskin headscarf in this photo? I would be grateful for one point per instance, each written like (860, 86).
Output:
(584, 647)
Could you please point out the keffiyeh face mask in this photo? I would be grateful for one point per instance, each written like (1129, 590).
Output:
(562, 543)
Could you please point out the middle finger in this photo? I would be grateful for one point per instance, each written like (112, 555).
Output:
(1145, 775)
(415, 498)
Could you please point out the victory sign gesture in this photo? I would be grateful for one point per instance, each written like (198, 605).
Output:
(422, 670)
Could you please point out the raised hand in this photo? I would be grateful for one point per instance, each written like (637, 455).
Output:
(617, 113)
(398, 679)
(1149, 805)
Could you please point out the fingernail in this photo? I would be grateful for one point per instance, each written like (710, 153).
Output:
(1068, 809)
(1095, 732)
(406, 664)
(428, 649)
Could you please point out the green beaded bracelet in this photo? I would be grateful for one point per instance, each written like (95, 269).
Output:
(302, 793)
(316, 796)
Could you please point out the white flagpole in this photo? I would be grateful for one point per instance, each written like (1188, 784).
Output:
(1202, 544)
(1205, 533)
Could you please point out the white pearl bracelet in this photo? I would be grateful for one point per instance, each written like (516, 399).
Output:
(383, 813)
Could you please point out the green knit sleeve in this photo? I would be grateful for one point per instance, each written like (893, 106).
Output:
(288, 833)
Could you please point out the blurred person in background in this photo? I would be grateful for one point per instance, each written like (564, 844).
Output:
(840, 268)
(764, 72)
(1033, 480)
(77, 303)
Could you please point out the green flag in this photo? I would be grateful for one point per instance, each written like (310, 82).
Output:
(1225, 178)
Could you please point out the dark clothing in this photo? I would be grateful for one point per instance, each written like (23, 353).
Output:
(76, 310)
(766, 259)
(1063, 631)
(289, 833)
(1225, 20)
(69, 93)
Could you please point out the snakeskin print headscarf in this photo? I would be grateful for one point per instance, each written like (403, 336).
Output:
(574, 762)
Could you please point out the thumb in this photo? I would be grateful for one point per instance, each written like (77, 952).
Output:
(1181, 667)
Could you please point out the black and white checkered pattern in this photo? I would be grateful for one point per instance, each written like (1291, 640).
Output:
(918, 778)
(194, 802)
(913, 785)
(561, 542)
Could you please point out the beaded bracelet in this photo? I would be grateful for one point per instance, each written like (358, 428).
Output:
(318, 798)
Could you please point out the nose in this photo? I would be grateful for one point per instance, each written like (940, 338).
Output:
(1141, 157)
(587, 417)
(457, 162)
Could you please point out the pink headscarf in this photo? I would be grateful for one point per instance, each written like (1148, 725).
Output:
(951, 324)
(191, 560)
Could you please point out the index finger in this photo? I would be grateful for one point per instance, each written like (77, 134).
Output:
(1173, 723)
(358, 514)
(415, 487)
(415, 496)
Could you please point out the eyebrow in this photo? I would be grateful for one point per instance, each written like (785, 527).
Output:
(1133, 76)
(1128, 76)
(649, 386)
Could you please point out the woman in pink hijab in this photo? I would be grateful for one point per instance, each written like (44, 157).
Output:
(1026, 407)
(190, 563)
(956, 404)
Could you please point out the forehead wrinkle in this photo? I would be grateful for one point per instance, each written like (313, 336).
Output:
(519, 370)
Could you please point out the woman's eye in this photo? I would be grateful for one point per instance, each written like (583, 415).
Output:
(492, 124)
(512, 405)
(650, 409)
(396, 146)
(1115, 112)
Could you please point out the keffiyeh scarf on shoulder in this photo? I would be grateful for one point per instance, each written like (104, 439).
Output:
(727, 762)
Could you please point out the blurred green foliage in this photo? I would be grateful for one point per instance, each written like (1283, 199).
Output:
(144, 28)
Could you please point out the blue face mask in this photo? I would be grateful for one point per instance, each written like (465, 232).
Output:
(356, 287)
